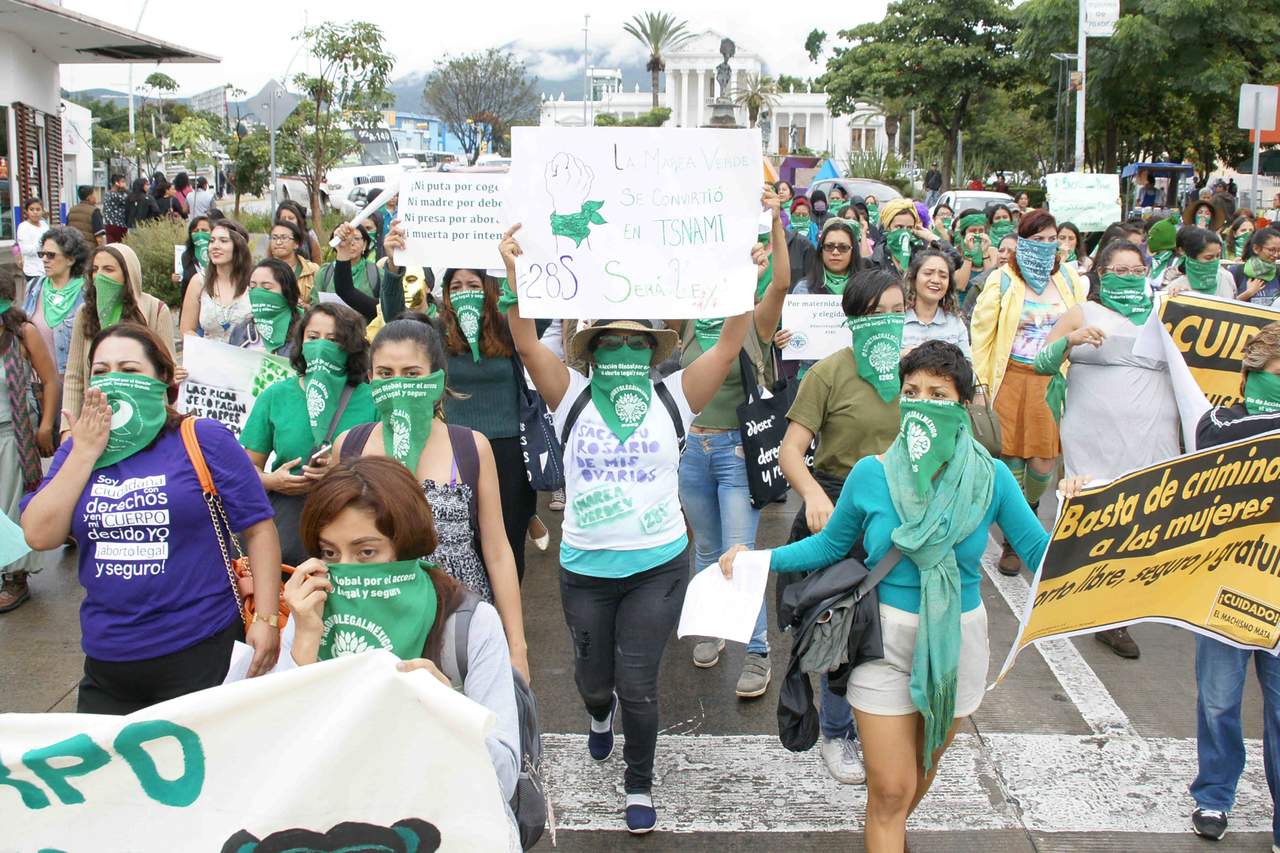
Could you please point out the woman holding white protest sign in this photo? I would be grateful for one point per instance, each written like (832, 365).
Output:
(160, 611)
(1013, 317)
(112, 294)
(624, 552)
(1107, 384)
(454, 465)
(217, 302)
(1200, 262)
(931, 496)
(330, 353)
(714, 490)
(368, 525)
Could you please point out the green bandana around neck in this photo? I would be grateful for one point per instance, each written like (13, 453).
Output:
(407, 407)
(929, 431)
(1069, 257)
(877, 347)
(1126, 295)
(1000, 230)
(577, 226)
(271, 316)
(59, 302)
(1261, 393)
(200, 243)
(835, 281)
(707, 332)
(621, 388)
(323, 382)
(1159, 263)
(389, 606)
(786, 205)
(800, 223)
(1256, 267)
(137, 413)
(109, 294)
(1242, 240)
(468, 305)
(5, 305)
(899, 242)
(1203, 275)
(360, 276)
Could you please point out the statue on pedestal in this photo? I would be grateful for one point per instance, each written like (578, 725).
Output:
(722, 112)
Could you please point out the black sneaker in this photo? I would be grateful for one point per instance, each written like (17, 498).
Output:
(1209, 823)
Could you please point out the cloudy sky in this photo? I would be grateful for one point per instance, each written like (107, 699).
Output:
(253, 37)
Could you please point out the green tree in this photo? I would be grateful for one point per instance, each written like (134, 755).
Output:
(349, 90)
(660, 33)
(757, 92)
(480, 96)
(814, 43)
(935, 54)
(653, 118)
(250, 163)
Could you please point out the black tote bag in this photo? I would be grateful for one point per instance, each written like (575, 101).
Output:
(762, 422)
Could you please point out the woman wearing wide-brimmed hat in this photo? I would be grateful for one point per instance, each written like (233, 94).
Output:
(624, 552)
(1204, 214)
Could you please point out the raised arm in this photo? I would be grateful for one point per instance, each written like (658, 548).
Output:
(549, 374)
(349, 247)
(769, 311)
(703, 378)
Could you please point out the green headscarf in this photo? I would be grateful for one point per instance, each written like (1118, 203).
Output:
(406, 407)
(109, 295)
(877, 347)
(389, 606)
(468, 305)
(932, 523)
(621, 388)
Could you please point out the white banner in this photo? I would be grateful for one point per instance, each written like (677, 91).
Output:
(178, 251)
(817, 326)
(1088, 201)
(351, 741)
(452, 219)
(635, 222)
(223, 381)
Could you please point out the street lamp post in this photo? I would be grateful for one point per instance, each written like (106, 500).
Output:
(1081, 39)
(1063, 60)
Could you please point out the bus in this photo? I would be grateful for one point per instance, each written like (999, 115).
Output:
(374, 161)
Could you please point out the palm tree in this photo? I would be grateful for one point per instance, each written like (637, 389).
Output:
(755, 94)
(659, 33)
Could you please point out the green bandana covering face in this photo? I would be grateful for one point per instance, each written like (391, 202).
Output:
(1202, 220)
(200, 242)
(976, 254)
(972, 220)
(707, 332)
(469, 306)
(837, 206)
(110, 296)
(621, 388)
(943, 225)
(388, 606)
(1255, 267)
(406, 407)
(577, 226)
(899, 242)
(1159, 263)
(323, 382)
(1241, 241)
(930, 429)
(877, 345)
(835, 281)
(1261, 393)
(1126, 295)
(1203, 275)
(271, 316)
(873, 211)
(1000, 230)
(800, 223)
(137, 413)
(59, 303)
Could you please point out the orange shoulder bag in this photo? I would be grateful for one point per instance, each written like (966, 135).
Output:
(238, 571)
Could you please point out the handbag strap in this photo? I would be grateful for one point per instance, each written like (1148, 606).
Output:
(347, 391)
(886, 564)
(217, 513)
(748, 371)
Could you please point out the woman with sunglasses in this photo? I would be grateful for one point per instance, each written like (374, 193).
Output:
(1013, 317)
(1109, 390)
(53, 300)
(624, 552)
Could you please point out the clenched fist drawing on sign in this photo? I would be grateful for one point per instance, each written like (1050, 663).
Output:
(569, 183)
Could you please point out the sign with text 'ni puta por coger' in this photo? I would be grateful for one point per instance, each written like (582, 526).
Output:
(635, 222)
(1091, 202)
(452, 219)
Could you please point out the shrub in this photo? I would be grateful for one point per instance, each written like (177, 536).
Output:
(886, 168)
(653, 118)
(153, 241)
(1034, 192)
(254, 223)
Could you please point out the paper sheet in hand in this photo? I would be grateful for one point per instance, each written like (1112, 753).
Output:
(715, 607)
(817, 324)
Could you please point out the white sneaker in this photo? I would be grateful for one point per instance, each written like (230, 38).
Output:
(840, 755)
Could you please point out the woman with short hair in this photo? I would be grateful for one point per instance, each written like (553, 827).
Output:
(53, 299)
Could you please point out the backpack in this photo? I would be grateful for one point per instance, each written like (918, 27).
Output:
(529, 802)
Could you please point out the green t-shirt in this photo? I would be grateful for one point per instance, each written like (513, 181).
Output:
(845, 412)
(722, 411)
(278, 420)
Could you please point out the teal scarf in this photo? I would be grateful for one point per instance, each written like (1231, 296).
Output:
(931, 526)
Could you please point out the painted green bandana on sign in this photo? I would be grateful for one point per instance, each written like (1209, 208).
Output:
(388, 606)
(577, 226)
(137, 413)
(1261, 393)
(1126, 295)
(109, 295)
(469, 306)
(930, 430)
(323, 383)
(877, 345)
(406, 407)
(271, 316)
(621, 388)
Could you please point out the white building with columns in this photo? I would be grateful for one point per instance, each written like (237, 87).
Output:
(690, 87)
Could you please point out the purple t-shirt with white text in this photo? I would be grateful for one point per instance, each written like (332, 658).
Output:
(154, 578)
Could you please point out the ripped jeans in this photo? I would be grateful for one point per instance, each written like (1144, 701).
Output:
(619, 628)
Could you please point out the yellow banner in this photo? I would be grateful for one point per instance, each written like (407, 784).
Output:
(1194, 542)
(1211, 334)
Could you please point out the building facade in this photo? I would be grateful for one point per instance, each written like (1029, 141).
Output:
(799, 120)
(420, 133)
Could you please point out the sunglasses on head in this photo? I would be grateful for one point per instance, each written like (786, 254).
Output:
(615, 342)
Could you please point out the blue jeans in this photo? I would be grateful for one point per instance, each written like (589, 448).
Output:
(835, 714)
(1220, 675)
(717, 503)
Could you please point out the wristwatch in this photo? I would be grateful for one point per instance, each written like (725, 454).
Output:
(273, 620)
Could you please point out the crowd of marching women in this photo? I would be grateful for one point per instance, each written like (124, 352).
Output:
(393, 451)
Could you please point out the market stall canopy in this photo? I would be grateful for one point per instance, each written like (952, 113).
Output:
(1159, 169)
(70, 38)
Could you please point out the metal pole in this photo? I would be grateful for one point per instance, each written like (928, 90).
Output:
(960, 158)
(1254, 193)
(272, 112)
(1057, 115)
(1080, 99)
(913, 138)
(586, 75)
(133, 139)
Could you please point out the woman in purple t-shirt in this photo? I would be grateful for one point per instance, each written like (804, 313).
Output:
(159, 616)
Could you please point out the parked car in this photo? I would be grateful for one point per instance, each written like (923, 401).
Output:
(857, 186)
(961, 200)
